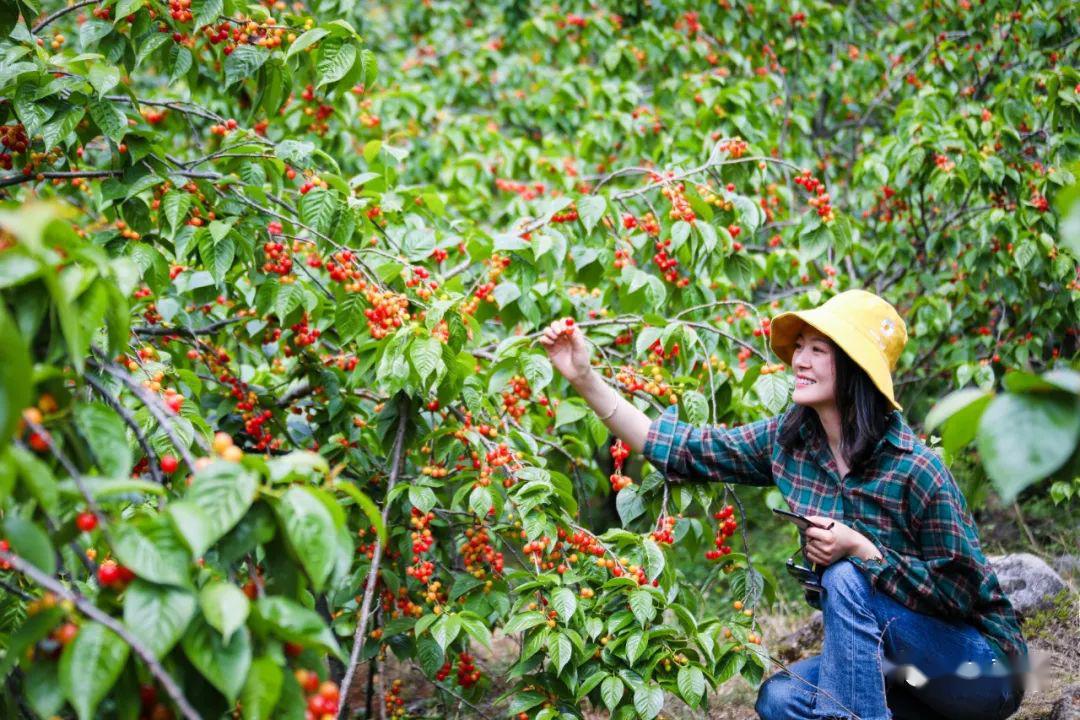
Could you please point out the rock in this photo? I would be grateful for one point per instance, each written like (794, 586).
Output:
(1067, 565)
(1067, 706)
(1027, 580)
(803, 642)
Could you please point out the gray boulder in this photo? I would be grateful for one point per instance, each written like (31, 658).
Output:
(1067, 706)
(1027, 580)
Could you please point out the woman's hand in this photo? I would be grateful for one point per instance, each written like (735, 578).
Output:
(566, 348)
(824, 547)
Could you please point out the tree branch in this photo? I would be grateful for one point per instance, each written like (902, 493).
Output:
(373, 574)
(97, 615)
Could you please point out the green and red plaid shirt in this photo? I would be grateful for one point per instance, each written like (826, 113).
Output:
(906, 502)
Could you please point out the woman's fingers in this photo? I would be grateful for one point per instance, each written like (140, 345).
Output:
(816, 533)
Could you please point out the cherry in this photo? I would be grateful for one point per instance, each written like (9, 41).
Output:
(86, 521)
(168, 464)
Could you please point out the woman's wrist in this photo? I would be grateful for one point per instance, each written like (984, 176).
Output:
(864, 549)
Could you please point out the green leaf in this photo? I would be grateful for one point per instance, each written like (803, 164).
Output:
(523, 621)
(641, 604)
(336, 57)
(446, 630)
(89, 667)
(773, 390)
(15, 376)
(244, 61)
(611, 691)
(480, 501)
(223, 491)
(293, 622)
(36, 475)
(569, 411)
(224, 665)
(590, 210)
(560, 650)
(225, 607)
(306, 40)
(537, 370)
(106, 434)
(691, 685)
(1024, 438)
(30, 543)
(648, 701)
(127, 7)
(564, 603)
(206, 12)
(310, 533)
(176, 205)
(61, 126)
(960, 413)
(629, 505)
(696, 406)
(217, 256)
(654, 558)
(317, 209)
(157, 614)
(422, 498)
(426, 356)
(262, 690)
(429, 654)
(152, 550)
(102, 77)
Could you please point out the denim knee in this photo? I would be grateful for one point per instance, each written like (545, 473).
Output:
(774, 698)
(843, 579)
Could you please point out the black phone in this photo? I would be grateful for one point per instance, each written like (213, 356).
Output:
(801, 521)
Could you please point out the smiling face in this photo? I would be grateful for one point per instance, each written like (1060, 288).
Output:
(815, 370)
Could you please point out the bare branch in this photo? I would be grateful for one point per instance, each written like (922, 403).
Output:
(97, 615)
(373, 574)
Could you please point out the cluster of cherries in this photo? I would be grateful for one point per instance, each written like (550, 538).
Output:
(387, 312)
(666, 534)
(944, 163)
(680, 206)
(322, 697)
(569, 215)
(528, 191)
(402, 605)
(619, 453)
(724, 529)
(477, 550)
(111, 574)
(395, 704)
(820, 201)
(278, 259)
(667, 264)
(13, 138)
(422, 540)
(467, 674)
(303, 334)
(519, 390)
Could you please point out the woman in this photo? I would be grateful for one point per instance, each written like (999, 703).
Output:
(916, 624)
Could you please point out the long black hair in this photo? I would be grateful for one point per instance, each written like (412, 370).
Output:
(864, 413)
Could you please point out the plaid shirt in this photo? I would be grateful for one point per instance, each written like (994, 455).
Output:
(907, 503)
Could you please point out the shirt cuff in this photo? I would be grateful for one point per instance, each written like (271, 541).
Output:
(873, 569)
(658, 441)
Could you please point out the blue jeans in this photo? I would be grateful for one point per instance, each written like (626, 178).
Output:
(869, 636)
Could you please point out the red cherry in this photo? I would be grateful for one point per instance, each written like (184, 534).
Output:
(168, 464)
(108, 573)
(86, 521)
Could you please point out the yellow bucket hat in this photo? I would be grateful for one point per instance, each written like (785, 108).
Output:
(861, 323)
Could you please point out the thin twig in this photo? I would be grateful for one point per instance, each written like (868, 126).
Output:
(373, 573)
